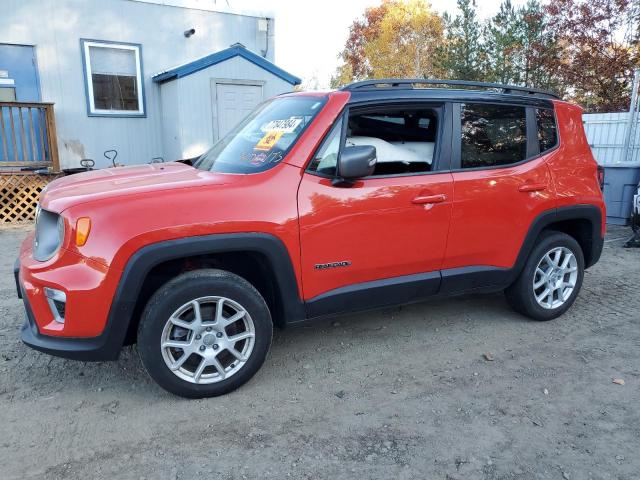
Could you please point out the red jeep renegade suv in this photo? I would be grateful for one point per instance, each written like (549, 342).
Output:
(382, 193)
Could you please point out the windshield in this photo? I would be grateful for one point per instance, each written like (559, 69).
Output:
(262, 139)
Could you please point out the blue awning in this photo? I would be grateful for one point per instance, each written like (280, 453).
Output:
(236, 50)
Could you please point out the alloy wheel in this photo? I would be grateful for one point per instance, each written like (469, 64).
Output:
(208, 340)
(555, 277)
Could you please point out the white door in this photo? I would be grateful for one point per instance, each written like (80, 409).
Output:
(233, 103)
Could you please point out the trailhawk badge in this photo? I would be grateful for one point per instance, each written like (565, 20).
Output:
(322, 266)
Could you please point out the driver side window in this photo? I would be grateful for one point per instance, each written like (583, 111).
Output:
(325, 162)
(404, 138)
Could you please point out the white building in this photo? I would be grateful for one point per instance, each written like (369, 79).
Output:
(109, 68)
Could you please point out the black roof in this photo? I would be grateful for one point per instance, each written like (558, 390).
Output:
(459, 90)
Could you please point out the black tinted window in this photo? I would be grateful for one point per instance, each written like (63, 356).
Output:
(547, 136)
(492, 135)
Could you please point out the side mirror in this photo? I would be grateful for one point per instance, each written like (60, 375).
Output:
(357, 162)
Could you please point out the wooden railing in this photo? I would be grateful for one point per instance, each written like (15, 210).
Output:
(28, 135)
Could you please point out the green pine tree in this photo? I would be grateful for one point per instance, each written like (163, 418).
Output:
(504, 34)
(462, 56)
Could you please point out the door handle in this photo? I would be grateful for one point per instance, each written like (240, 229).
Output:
(532, 187)
(428, 199)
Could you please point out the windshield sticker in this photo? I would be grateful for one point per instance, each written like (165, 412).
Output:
(269, 140)
(262, 158)
(288, 125)
(258, 159)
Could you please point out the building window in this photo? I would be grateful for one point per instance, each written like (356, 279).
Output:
(113, 75)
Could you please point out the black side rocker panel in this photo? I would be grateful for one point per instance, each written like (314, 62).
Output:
(376, 294)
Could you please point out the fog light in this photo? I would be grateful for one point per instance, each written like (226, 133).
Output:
(57, 300)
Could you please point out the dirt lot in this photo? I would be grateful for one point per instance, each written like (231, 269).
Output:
(403, 393)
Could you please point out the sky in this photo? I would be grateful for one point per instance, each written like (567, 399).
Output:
(310, 35)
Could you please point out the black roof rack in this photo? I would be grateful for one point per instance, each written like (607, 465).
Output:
(409, 83)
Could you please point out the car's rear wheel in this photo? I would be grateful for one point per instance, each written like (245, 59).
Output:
(551, 278)
(204, 333)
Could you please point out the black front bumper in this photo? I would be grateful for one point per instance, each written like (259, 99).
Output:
(93, 349)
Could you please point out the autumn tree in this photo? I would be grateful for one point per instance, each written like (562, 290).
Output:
(355, 64)
(585, 50)
(597, 50)
(399, 38)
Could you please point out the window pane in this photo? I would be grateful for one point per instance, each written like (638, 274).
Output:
(115, 92)
(492, 135)
(393, 119)
(404, 137)
(326, 160)
(117, 61)
(547, 136)
(114, 78)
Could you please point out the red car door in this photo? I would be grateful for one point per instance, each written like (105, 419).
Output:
(501, 184)
(381, 231)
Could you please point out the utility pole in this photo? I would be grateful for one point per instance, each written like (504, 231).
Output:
(632, 116)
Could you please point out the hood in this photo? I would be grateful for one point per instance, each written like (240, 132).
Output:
(116, 182)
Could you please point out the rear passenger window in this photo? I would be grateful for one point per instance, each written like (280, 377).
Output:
(492, 135)
(547, 136)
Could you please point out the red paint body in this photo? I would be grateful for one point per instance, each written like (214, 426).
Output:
(481, 218)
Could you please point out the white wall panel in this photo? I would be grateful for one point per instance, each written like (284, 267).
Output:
(196, 106)
(606, 135)
(55, 27)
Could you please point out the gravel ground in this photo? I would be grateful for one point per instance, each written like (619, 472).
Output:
(400, 393)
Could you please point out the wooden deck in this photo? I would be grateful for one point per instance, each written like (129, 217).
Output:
(28, 145)
(28, 136)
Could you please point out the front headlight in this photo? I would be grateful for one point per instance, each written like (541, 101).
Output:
(49, 235)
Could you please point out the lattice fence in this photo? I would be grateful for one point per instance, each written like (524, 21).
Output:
(19, 195)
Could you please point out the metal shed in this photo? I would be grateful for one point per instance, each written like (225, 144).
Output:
(204, 99)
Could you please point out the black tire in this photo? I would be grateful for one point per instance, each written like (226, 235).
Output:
(520, 294)
(183, 289)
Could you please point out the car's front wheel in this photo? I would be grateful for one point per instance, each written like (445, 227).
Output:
(204, 333)
(551, 278)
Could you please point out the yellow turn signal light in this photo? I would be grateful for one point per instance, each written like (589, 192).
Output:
(83, 227)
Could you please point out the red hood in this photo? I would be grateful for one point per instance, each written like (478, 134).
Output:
(115, 182)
